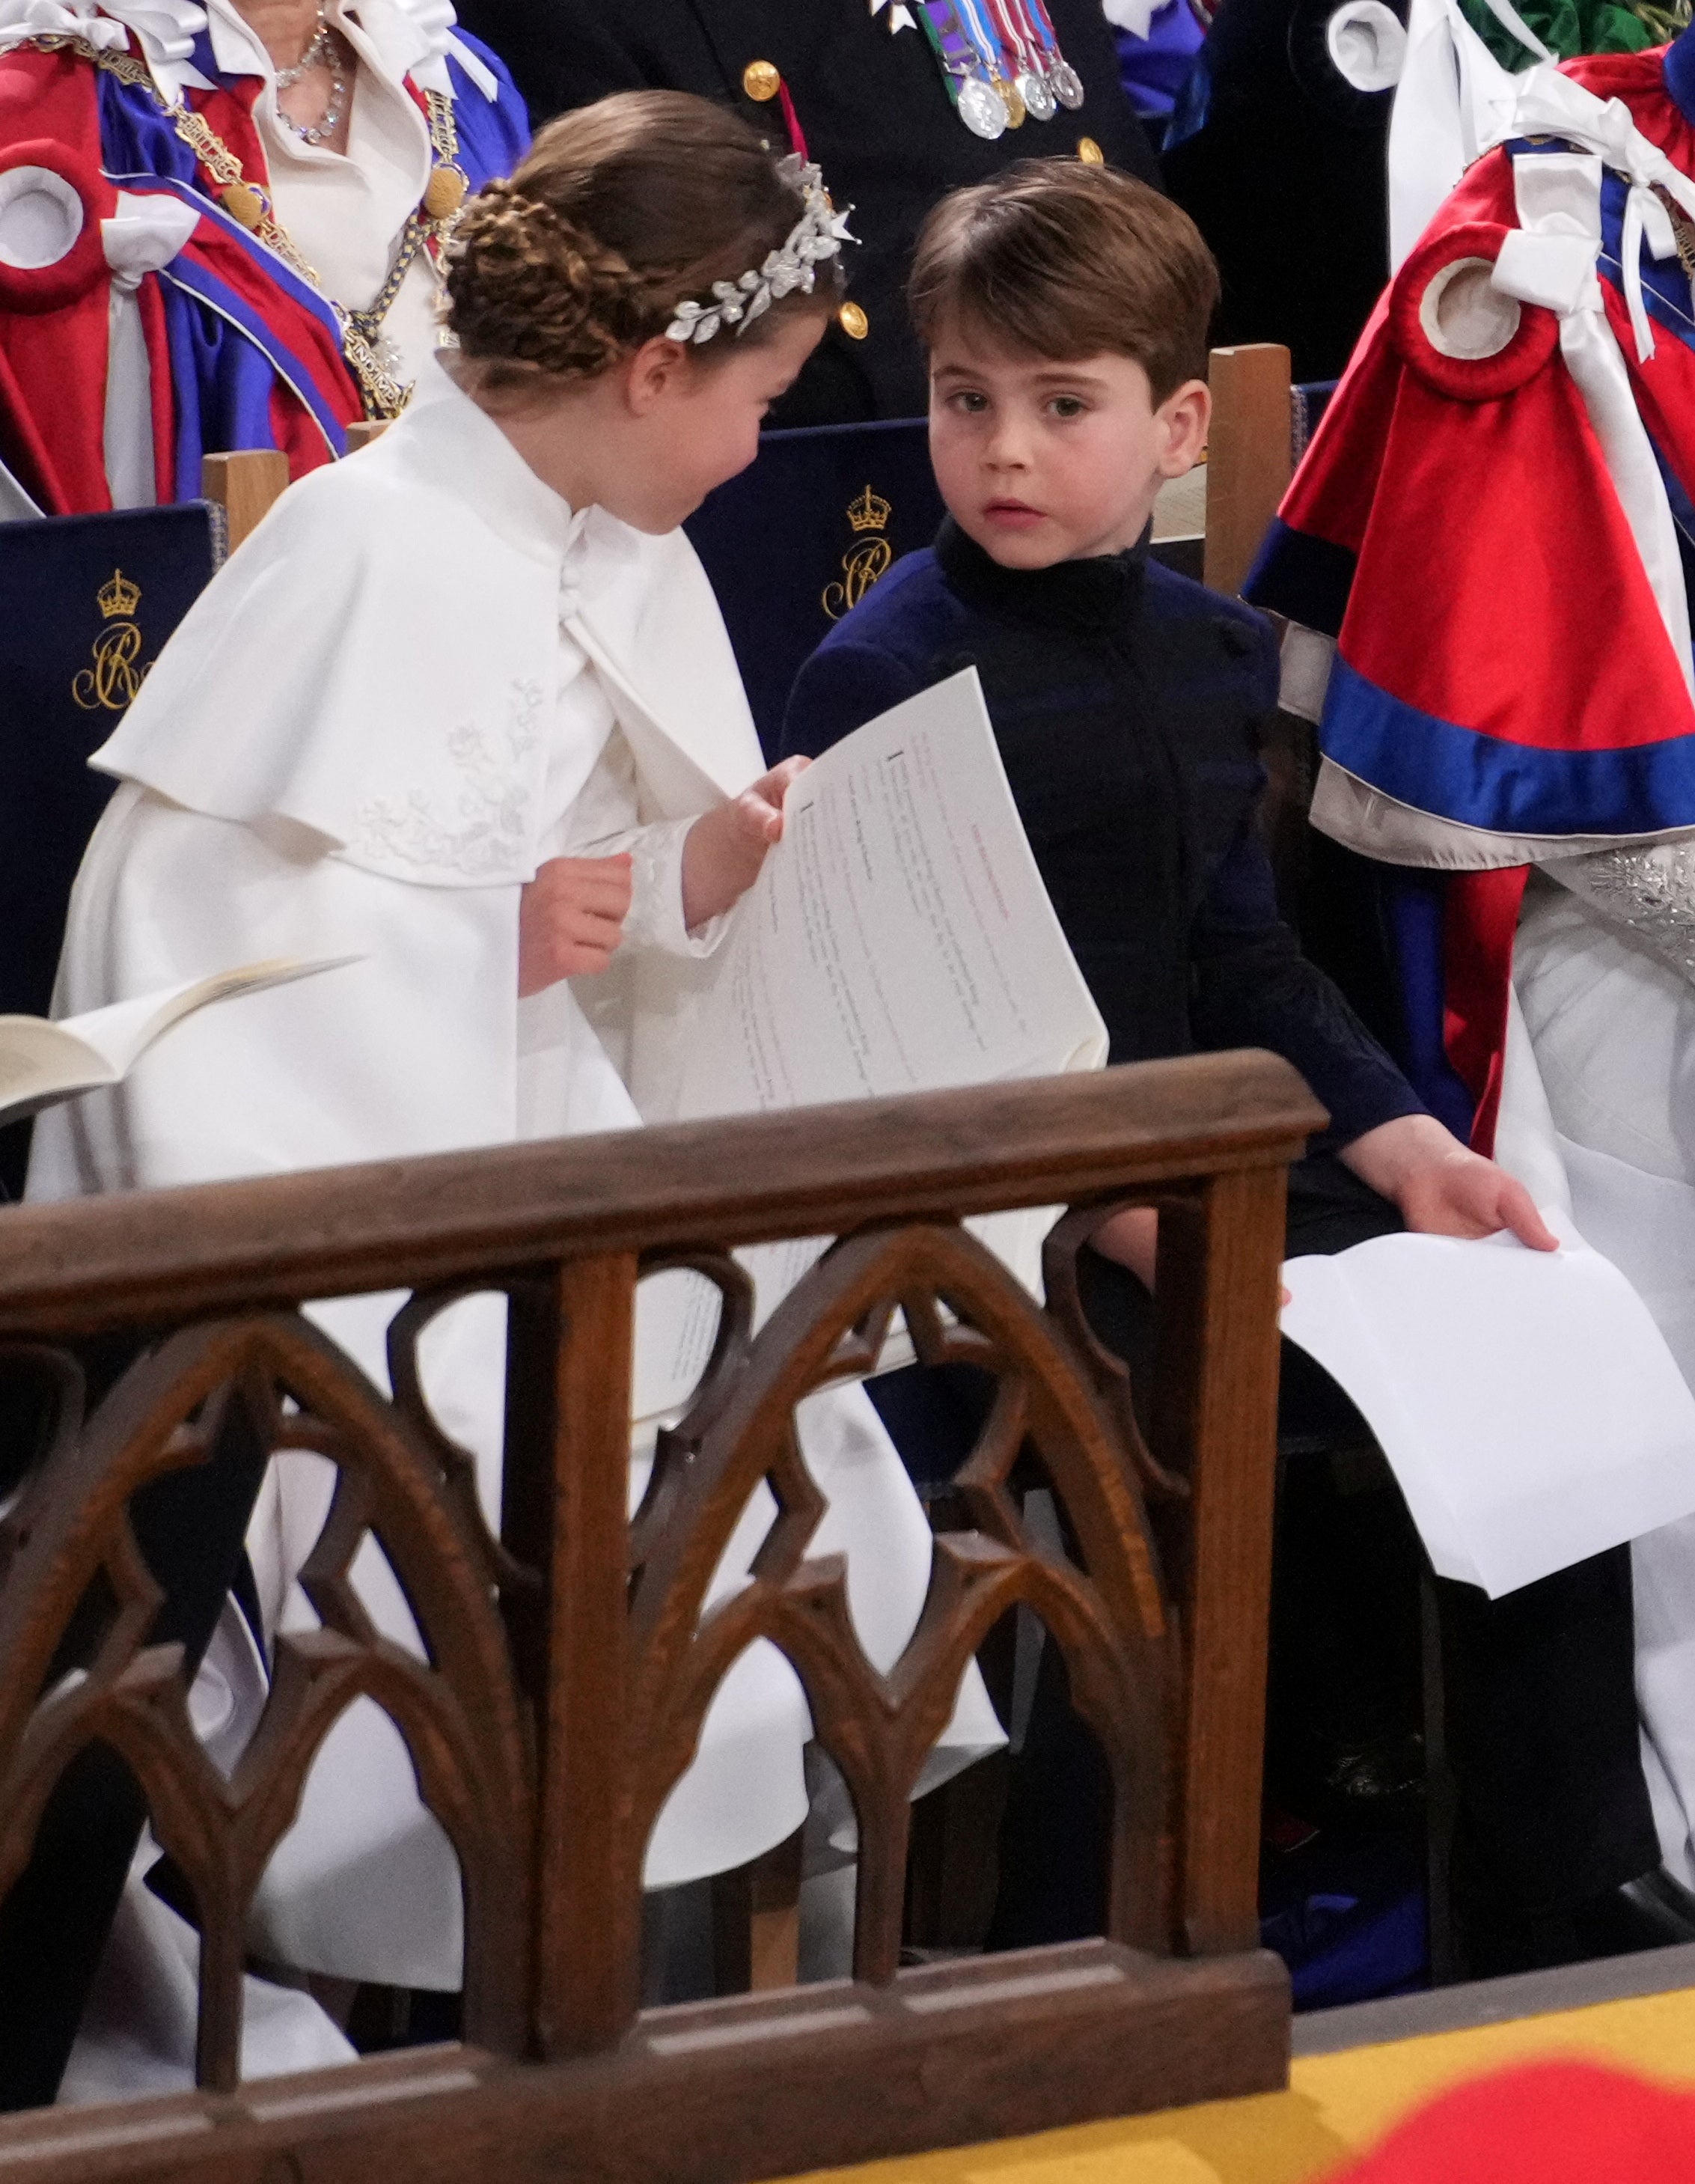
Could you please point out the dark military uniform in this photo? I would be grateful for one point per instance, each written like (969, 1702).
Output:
(876, 116)
(1288, 182)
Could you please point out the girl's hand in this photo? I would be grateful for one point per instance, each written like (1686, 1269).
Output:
(725, 848)
(570, 920)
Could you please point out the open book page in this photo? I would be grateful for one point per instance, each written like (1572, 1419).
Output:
(899, 940)
(1526, 1402)
(41, 1062)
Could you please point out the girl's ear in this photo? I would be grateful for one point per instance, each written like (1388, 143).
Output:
(652, 371)
(1187, 416)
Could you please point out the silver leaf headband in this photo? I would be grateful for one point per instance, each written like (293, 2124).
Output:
(817, 234)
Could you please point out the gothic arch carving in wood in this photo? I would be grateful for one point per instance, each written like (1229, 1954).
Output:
(458, 1712)
(1109, 1618)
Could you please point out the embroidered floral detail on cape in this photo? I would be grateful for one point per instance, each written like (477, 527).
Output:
(485, 834)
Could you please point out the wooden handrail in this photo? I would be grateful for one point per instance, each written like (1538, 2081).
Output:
(567, 1667)
(96, 1262)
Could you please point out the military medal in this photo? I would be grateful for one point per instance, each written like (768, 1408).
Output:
(1038, 96)
(980, 105)
(1029, 86)
(1063, 80)
(1068, 84)
(994, 65)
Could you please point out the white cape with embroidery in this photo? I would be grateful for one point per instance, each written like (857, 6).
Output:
(367, 735)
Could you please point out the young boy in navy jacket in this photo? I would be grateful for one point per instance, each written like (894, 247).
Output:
(1065, 309)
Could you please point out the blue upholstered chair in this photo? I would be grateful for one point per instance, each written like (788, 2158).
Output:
(800, 536)
(90, 599)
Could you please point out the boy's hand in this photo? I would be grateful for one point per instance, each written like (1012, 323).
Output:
(725, 847)
(571, 919)
(1441, 1188)
(1132, 1237)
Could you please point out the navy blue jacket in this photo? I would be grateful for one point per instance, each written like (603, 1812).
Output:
(1128, 704)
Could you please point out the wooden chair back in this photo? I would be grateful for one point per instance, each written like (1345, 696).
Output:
(1250, 456)
(570, 1663)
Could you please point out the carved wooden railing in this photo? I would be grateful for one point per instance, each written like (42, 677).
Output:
(569, 1664)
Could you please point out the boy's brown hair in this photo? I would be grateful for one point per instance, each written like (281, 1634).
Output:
(1057, 258)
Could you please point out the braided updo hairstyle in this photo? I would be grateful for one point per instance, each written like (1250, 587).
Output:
(622, 211)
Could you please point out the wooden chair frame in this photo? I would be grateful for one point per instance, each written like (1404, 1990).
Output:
(1250, 456)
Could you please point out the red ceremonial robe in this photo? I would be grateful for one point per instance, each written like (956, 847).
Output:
(1504, 666)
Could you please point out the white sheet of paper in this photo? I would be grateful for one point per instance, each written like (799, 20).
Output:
(899, 940)
(1526, 1402)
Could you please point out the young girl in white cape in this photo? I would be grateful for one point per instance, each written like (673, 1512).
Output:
(464, 708)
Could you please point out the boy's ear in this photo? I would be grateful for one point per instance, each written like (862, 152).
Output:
(1185, 415)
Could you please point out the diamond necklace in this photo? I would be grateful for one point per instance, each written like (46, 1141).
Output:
(325, 51)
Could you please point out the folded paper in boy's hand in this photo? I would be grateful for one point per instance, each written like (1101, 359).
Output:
(1526, 1401)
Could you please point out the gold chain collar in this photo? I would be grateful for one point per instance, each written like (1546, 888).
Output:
(427, 227)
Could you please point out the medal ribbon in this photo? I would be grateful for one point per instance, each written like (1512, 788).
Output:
(998, 67)
(1042, 23)
(792, 123)
(953, 49)
(1017, 35)
(952, 43)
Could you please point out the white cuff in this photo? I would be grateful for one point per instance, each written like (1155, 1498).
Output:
(1306, 661)
(656, 894)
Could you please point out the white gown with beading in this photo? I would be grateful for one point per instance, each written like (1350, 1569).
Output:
(1601, 1078)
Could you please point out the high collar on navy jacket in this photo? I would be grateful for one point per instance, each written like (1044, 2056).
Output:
(1092, 597)
(1680, 72)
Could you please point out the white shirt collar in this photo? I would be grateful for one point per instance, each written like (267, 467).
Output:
(381, 27)
(404, 37)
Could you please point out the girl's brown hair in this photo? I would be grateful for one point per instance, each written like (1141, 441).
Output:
(620, 212)
(1057, 258)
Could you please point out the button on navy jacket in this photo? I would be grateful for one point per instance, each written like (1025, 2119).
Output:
(1128, 704)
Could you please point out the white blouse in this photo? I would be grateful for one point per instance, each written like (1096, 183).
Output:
(345, 212)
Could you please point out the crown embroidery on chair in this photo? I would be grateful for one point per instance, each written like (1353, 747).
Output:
(864, 564)
(115, 672)
(870, 512)
(119, 598)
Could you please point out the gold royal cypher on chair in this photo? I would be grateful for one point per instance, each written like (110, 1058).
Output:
(117, 672)
(867, 560)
